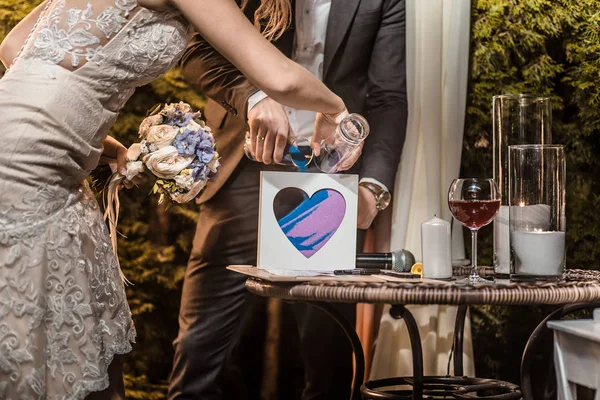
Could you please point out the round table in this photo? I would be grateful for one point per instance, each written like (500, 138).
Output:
(579, 290)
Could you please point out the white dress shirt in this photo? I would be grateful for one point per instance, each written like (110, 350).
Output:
(309, 52)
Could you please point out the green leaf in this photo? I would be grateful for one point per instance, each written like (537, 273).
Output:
(155, 110)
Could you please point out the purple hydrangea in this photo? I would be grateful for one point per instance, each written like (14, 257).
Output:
(181, 118)
(206, 156)
(187, 142)
(200, 144)
(200, 172)
(206, 149)
(194, 142)
(206, 143)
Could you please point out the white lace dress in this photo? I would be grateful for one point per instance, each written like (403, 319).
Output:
(63, 310)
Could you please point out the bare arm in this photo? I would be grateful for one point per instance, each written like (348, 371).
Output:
(113, 149)
(226, 28)
(10, 46)
(208, 72)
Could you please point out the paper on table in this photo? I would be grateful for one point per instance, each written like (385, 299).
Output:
(262, 274)
(290, 272)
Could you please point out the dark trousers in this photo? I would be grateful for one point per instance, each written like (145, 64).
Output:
(214, 302)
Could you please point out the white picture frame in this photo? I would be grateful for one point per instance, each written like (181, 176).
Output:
(315, 225)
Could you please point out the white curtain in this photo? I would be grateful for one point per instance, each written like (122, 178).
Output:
(437, 53)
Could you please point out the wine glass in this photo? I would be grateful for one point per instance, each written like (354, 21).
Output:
(473, 202)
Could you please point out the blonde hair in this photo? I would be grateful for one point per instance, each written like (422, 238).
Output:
(274, 16)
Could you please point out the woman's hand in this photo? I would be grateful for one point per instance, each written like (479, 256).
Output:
(325, 131)
(122, 165)
(325, 126)
(113, 149)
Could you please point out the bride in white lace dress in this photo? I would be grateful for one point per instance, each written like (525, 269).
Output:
(73, 64)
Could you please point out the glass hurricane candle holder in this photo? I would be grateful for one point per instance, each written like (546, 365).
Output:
(297, 152)
(517, 119)
(537, 211)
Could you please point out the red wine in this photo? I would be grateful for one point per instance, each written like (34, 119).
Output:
(474, 213)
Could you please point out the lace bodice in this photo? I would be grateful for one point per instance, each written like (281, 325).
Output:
(81, 63)
(70, 37)
(116, 43)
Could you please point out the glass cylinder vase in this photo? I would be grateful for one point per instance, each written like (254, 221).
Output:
(537, 211)
(297, 152)
(517, 119)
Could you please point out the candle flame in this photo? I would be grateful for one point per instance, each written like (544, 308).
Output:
(522, 204)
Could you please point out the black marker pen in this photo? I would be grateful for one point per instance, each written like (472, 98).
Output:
(357, 271)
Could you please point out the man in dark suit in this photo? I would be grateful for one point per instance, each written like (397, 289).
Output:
(357, 48)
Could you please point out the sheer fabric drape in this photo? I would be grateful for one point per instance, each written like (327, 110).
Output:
(437, 67)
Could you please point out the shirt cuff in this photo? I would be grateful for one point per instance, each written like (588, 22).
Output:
(255, 99)
(376, 182)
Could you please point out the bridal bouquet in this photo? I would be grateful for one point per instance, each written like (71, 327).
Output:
(177, 148)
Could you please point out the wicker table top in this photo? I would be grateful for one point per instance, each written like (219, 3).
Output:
(579, 286)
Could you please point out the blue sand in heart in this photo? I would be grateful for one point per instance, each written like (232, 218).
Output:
(311, 221)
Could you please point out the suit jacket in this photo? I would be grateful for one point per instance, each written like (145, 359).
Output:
(364, 64)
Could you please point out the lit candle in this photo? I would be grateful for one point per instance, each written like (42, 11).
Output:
(436, 249)
(536, 216)
(538, 253)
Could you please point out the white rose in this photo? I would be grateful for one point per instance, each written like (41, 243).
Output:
(162, 135)
(172, 108)
(134, 151)
(149, 122)
(167, 162)
(168, 109)
(134, 168)
(184, 181)
(192, 126)
(191, 195)
(186, 108)
(214, 164)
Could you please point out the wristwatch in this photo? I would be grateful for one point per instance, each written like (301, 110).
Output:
(382, 196)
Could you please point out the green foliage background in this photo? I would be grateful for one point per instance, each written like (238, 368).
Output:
(550, 47)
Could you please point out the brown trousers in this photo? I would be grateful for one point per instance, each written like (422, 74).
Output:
(214, 303)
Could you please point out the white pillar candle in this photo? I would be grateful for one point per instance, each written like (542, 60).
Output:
(536, 216)
(436, 249)
(538, 253)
